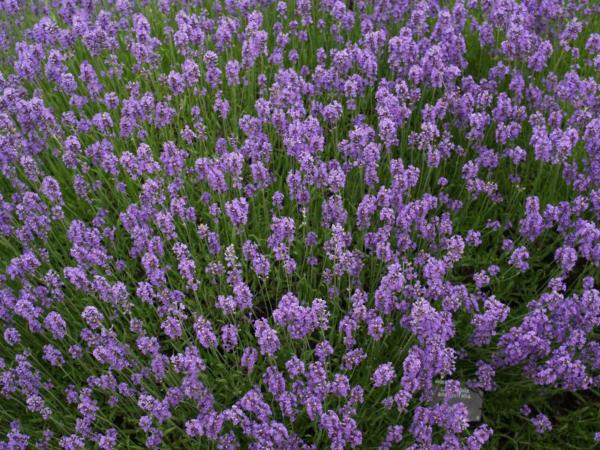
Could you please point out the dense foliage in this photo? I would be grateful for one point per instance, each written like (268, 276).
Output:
(299, 225)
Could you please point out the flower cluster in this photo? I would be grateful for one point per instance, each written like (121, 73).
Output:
(283, 225)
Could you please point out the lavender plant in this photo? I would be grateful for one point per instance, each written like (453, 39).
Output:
(299, 225)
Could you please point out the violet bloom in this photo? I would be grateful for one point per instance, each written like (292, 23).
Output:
(249, 358)
(541, 423)
(519, 259)
(12, 336)
(383, 375)
(237, 211)
(267, 337)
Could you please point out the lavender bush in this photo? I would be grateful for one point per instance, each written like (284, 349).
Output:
(299, 225)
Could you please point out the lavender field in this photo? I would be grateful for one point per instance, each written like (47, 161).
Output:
(304, 224)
